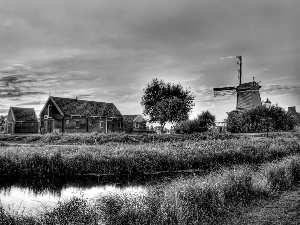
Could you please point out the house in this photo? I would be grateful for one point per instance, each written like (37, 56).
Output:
(21, 120)
(134, 123)
(73, 115)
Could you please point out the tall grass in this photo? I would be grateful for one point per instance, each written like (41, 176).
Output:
(118, 159)
(199, 200)
(96, 139)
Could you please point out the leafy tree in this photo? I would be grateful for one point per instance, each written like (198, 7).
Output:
(201, 124)
(2, 122)
(258, 118)
(206, 120)
(166, 102)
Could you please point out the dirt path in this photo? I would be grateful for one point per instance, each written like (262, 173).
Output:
(283, 210)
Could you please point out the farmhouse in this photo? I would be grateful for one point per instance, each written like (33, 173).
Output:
(73, 115)
(21, 120)
(134, 123)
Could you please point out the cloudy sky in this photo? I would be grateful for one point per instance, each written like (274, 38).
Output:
(105, 50)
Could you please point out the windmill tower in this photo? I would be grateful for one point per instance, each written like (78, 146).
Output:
(247, 93)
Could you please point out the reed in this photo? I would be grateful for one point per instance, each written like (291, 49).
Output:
(118, 159)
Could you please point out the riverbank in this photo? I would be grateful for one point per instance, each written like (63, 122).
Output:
(139, 159)
(212, 199)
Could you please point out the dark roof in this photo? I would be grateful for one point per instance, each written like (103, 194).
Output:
(248, 86)
(24, 114)
(89, 108)
(129, 118)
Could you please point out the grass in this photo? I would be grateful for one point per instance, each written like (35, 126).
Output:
(198, 200)
(98, 139)
(134, 159)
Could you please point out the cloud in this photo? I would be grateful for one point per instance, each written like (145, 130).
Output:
(273, 88)
(31, 103)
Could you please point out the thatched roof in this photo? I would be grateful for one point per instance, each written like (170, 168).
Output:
(88, 108)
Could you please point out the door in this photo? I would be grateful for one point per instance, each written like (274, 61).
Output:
(50, 125)
(9, 128)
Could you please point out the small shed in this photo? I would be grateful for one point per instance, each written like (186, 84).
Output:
(21, 120)
(134, 123)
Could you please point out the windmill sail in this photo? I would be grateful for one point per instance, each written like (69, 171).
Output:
(222, 91)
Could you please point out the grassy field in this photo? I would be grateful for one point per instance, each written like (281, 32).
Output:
(211, 199)
(119, 158)
(98, 139)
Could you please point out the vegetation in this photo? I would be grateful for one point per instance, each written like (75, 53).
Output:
(201, 124)
(120, 158)
(99, 139)
(166, 102)
(257, 120)
(2, 122)
(199, 200)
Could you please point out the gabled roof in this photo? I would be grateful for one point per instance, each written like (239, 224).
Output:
(139, 119)
(134, 118)
(88, 108)
(129, 118)
(23, 114)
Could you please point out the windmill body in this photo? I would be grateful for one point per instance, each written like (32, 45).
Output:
(248, 95)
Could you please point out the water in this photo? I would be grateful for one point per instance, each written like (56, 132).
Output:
(32, 196)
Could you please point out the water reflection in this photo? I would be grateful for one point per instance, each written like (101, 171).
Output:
(27, 195)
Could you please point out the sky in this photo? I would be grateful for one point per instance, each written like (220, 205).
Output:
(108, 51)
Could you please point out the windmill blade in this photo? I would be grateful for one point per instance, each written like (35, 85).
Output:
(222, 91)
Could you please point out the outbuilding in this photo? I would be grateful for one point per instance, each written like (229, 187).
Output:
(134, 123)
(21, 120)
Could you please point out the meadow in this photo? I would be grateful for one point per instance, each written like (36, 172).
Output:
(117, 158)
(211, 199)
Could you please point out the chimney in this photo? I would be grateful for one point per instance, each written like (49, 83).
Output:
(76, 99)
(292, 109)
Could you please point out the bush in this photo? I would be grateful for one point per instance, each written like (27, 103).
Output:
(201, 124)
(255, 120)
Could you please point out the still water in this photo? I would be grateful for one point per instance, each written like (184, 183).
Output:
(34, 196)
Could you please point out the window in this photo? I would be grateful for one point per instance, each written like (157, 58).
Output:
(101, 124)
(137, 125)
(67, 121)
(120, 125)
(77, 123)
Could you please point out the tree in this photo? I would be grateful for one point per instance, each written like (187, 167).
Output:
(256, 119)
(166, 102)
(2, 122)
(206, 120)
(201, 124)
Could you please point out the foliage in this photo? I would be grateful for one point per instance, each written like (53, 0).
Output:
(166, 102)
(201, 124)
(2, 122)
(258, 118)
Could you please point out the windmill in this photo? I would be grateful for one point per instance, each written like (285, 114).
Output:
(247, 93)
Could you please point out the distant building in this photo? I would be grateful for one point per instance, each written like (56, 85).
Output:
(21, 120)
(134, 123)
(73, 115)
